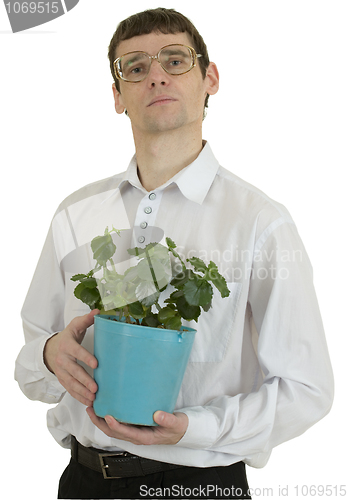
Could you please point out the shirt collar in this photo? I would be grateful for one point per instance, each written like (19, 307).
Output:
(194, 181)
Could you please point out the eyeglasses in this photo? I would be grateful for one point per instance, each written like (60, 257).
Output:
(175, 59)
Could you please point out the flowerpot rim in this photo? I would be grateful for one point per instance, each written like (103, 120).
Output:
(108, 317)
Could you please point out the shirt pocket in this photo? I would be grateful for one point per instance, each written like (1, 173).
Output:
(215, 327)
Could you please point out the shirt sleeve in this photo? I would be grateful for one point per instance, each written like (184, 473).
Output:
(297, 388)
(43, 316)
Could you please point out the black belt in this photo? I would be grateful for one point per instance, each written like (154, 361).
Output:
(118, 464)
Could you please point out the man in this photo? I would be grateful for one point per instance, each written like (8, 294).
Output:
(259, 372)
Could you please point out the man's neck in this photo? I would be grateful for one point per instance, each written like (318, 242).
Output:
(161, 156)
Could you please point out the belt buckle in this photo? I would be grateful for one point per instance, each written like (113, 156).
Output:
(104, 466)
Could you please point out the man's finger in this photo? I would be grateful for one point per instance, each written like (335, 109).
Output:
(115, 429)
(165, 419)
(80, 353)
(98, 422)
(78, 373)
(81, 323)
(85, 401)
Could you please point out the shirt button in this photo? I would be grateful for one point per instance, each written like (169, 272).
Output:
(147, 210)
(152, 196)
(141, 239)
(143, 225)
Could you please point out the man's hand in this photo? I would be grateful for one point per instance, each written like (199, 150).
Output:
(171, 428)
(61, 354)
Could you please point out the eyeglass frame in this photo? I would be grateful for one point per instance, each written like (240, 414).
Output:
(192, 51)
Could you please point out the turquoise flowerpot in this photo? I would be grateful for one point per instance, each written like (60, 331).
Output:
(140, 369)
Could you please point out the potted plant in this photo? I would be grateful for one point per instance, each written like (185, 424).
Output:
(142, 347)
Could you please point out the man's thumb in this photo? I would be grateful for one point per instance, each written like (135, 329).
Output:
(81, 323)
(164, 419)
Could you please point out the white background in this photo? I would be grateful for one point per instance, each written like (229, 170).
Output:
(279, 121)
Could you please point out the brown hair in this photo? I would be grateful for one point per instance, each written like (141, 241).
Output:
(167, 21)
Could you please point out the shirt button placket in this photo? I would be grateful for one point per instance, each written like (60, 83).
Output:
(147, 211)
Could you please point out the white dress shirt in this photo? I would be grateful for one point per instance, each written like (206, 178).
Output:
(259, 372)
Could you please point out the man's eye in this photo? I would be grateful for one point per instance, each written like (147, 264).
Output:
(175, 63)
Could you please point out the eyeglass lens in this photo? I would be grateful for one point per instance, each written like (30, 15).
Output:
(175, 59)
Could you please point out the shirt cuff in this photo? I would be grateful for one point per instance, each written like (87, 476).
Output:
(202, 430)
(49, 376)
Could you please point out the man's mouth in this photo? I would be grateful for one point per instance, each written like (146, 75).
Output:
(160, 100)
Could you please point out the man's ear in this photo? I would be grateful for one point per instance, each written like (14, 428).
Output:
(212, 79)
(119, 106)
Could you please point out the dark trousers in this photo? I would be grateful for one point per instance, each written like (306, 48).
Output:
(81, 482)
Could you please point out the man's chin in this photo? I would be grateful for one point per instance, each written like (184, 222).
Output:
(160, 124)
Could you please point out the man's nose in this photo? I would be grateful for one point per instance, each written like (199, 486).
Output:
(157, 75)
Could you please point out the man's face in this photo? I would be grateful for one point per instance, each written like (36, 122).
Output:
(162, 102)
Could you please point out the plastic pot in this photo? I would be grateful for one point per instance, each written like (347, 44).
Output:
(140, 369)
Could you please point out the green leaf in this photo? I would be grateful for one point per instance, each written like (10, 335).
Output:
(140, 252)
(217, 279)
(187, 311)
(170, 243)
(90, 283)
(161, 270)
(136, 310)
(111, 312)
(129, 292)
(90, 296)
(172, 246)
(111, 275)
(198, 292)
(151, 320)
(150, 300)
(131, 274)
(157, 250)
(173, 297)
(114, 301)
(78, 290)
(136, 251)
(173, 323)
(143, 270)
(145, 289)
(207, 306)
(103, 248)
(198, 264)
(165, 313)
(78, 277)
(153, 272)
(180, 279)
